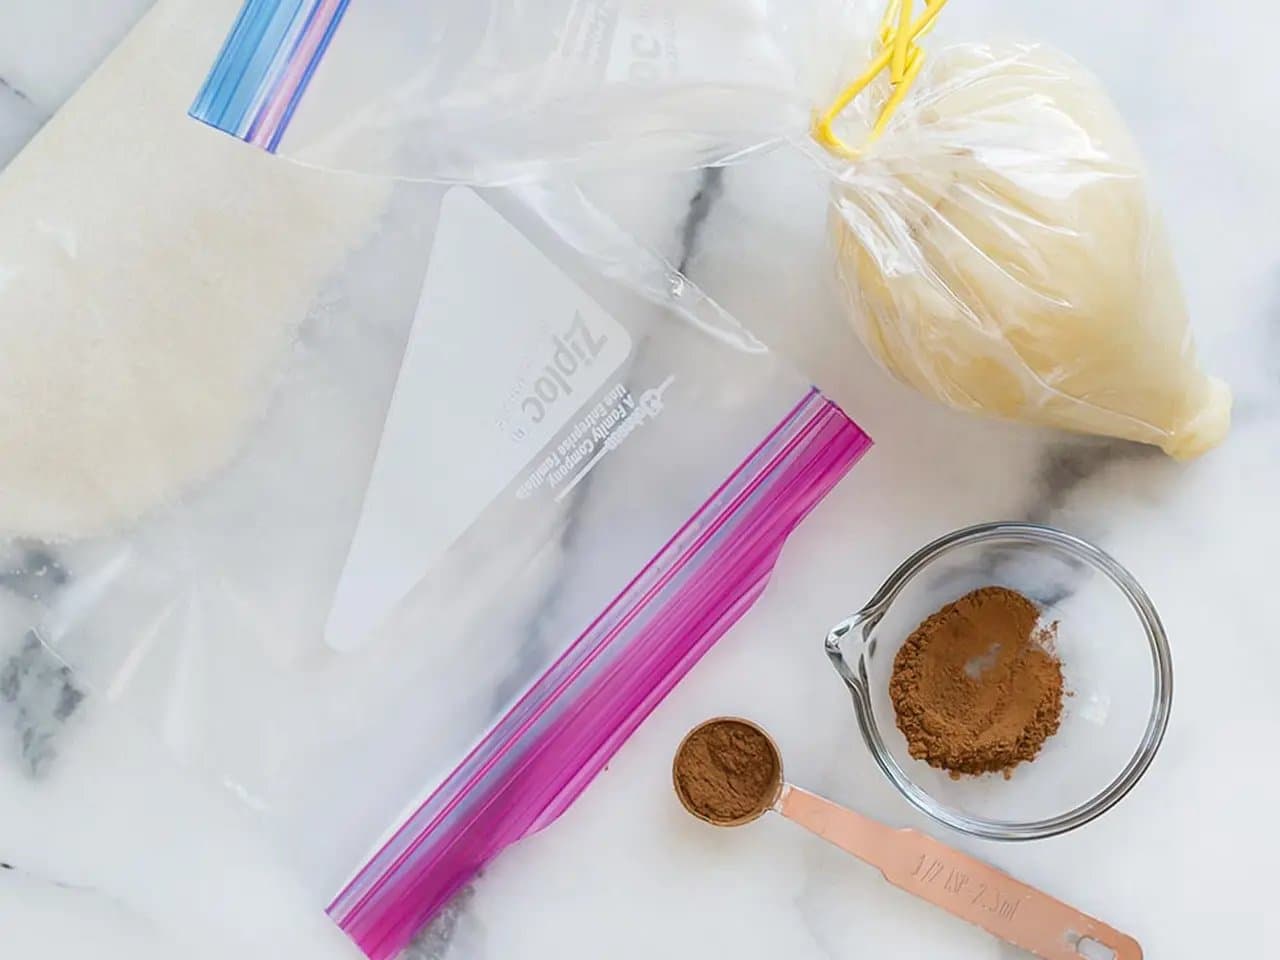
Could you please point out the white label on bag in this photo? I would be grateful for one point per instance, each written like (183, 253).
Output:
(504, 351)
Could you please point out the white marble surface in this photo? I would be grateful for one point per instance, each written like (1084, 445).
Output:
(113, 853)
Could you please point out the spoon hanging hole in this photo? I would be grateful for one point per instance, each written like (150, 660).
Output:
(1091, 949)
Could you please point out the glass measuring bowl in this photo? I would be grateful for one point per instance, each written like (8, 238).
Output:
(1116, 665)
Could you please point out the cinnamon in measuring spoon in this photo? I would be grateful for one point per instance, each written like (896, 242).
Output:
(977, 687)
(727, 771)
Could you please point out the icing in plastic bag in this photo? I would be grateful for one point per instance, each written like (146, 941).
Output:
(504, 477)
(999, 252)
(996, 240)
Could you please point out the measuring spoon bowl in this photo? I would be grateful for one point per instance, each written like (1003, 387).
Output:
(962, 885)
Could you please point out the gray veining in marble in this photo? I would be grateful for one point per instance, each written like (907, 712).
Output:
(710, 189)
(35, 573)
(42, 696)
(1068, 465)
(438, 941)
(7, 87)
(20, 118)
(38, 693)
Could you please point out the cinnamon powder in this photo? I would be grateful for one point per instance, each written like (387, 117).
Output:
(727, 770)
(977, 687)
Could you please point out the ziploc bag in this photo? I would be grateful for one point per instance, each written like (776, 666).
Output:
(511, 477)
(992, 228)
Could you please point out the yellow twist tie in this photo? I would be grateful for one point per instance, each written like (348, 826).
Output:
(898, 35)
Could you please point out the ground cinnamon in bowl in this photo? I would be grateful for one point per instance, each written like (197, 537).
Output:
(977, 687)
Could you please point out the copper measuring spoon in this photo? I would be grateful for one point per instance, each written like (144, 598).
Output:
(963, 886)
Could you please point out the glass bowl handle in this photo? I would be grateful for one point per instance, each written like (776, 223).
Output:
(853, 673)
(835, 652)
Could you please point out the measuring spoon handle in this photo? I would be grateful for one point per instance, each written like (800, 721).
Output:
(960, 884)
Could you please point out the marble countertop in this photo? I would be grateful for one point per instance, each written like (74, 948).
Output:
(108, 850)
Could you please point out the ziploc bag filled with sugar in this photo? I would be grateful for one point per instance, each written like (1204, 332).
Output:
(511, 476)
(577, 484)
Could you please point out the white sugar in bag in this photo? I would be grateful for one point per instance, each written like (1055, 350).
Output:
(152, 276)
(409, 502)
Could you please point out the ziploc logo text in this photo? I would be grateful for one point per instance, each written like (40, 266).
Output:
(573, 354)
